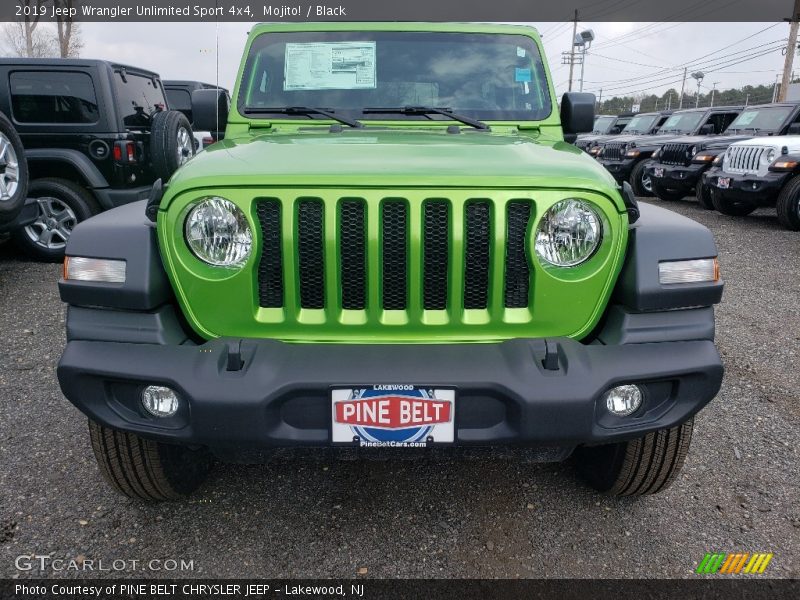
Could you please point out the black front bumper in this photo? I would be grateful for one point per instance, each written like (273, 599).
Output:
(761, 191)
(675, 177)
(281, 396)
(620, 169)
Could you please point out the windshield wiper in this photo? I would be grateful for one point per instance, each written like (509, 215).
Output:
(427, 110)
(305, 111)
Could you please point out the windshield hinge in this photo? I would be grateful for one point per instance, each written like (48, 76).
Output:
(527, 127)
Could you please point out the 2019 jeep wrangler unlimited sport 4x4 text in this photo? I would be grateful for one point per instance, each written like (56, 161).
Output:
(392, 249)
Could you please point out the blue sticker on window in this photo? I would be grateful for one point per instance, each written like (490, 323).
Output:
(522, 74)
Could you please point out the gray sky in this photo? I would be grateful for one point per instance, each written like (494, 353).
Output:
(188, 51)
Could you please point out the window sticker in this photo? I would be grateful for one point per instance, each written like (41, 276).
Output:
(520, 52)
(747, 117)
(522, 75)
(329, 66)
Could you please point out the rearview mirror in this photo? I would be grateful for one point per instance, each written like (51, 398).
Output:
(210, 108)
(794, 129)
(577, 113)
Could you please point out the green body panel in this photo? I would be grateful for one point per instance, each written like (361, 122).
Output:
(408, 161)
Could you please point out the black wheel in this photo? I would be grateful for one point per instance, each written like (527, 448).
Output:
(669, 195)
(147, 470)
(640, 181)
(62, 205)
(730, 207)
(639, 467)
(703, 195)
(171, 142)
(13, 172)
(788, 205)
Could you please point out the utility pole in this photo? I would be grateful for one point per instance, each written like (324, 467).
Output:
(683, 84)
(791, 48)
(572, 46)
(775, 88)
(669, 100)
(656, 104)
(747, 99)
(713, 90)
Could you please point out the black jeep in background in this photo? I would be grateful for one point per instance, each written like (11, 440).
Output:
(625, 156)
(604, 125)
(677, 168)
(642, 124)
(96, 135)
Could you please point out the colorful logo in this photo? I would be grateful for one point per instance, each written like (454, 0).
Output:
(393, 415)
(734, 563)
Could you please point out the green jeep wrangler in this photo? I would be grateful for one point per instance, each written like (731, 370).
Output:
(393, 250)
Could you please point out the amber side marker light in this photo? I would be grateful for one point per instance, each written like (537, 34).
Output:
(103, 270)
(783, 165)
(701, 270)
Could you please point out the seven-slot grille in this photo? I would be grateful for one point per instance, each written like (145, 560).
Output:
(675, 154)
(406, 256)
(744, 159)
(613, 151)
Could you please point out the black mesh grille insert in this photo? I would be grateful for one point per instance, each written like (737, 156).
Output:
(310, 254)
(517, 276)
(476, 264)
(435, 255)
(353, 256)
(270, 266)
(394, 256)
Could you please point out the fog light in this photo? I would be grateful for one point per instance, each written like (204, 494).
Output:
(623, 400)
(160, 401)
(688, 271)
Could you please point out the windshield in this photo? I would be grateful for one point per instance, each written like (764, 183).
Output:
(682, 123)
(761, 119)
(640, 124)
(484, 76)
(603, 124)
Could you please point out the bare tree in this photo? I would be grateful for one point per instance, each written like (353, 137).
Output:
(21, 41)
(69, 33)
(30, 22)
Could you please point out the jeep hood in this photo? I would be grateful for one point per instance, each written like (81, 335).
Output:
(387, 158)
(710, 142)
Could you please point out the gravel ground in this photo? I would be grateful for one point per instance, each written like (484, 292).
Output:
(737, 492)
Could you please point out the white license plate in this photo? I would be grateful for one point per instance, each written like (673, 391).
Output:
(395, 416)
(658, 171)
(724, 183)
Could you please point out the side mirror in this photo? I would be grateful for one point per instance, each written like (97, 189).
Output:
(707, 129)
(577, 113)
(794, 129)
(210, 108)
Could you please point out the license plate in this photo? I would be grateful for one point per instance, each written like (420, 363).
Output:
(724, 183)
(658, 171)
(396, 416)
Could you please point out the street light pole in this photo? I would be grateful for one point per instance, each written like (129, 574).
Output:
(713, 90)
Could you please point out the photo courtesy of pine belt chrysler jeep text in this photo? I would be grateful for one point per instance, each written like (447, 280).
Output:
(395, 248)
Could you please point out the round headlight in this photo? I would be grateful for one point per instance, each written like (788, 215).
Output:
(656, 153)
(769, 156)
(568, 233)
(693, 151)
(217, 232)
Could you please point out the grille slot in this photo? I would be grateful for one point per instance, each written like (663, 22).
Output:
(270, 266)
(517, 271)
(435, 250)
(310, 254)
(744, 159)
(353, 254)
(477, 255)
(395, 255)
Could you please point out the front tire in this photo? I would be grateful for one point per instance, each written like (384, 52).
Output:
(638, 467)
(146, 470)
(13, 172)
(62, 205)
(641, 182)
(732, 208)
(703, 195)
(668, 195)
(788, 205)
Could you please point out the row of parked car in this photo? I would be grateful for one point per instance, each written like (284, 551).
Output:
(733, 159)
(81, 136)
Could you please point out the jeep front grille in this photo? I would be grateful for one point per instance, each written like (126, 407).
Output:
(613, 151)
(743, 159)
(434, 254)
(674, 154)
